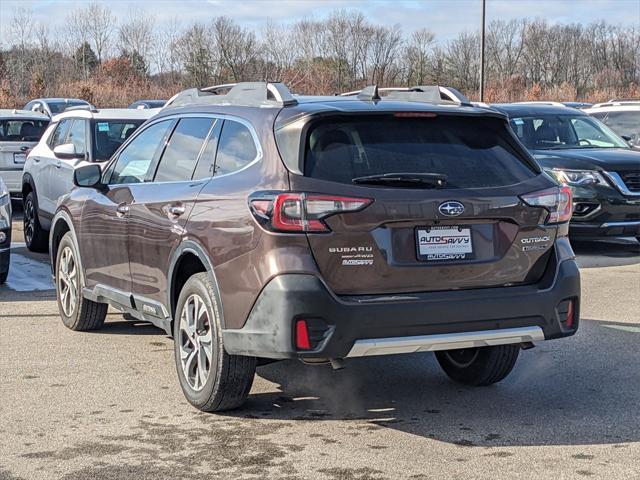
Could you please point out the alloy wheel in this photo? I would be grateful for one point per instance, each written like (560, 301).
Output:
(196, 342)
(29, 221)
(68, 282)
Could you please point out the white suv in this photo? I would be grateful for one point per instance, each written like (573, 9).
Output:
(74, 138)
(20, 131)
(621, 116)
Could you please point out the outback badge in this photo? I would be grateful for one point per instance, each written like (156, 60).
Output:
(451, 208)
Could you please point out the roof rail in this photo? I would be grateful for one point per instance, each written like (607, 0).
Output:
(421, 93)
(616, 103)
(624, 100)
(541, 102)
(258, 94)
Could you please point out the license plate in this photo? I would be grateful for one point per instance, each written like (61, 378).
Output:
(19, 158)
(444, 243)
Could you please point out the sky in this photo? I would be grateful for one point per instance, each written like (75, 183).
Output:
(446, 18)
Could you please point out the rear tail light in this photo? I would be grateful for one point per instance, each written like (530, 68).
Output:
(556, 200)
(301, 212)
(302, 336)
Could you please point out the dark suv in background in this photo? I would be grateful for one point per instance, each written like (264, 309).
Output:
(260, 225)
(580, 151)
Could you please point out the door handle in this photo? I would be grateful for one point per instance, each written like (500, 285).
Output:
(122, 209)
(176, 210)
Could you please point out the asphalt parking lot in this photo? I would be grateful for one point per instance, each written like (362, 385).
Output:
(107, 405)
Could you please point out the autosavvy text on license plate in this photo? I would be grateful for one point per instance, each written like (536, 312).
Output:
(444, 243)
(19, 158)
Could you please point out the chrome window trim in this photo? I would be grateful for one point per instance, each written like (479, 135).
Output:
(178, 116)
(617, 181)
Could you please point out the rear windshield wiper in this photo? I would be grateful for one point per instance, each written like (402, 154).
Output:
(417, 180)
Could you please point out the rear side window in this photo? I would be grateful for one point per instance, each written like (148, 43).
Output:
(136, 158)
(236, 148)
(471, 152)
(179, 159)
(21, 130)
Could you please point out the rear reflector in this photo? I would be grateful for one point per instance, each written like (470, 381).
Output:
(301, 212)
(570, 313)
(556, 200)
(302, 335)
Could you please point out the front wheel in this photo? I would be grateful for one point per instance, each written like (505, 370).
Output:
(479, 366)
(211, 379)
(77, 312)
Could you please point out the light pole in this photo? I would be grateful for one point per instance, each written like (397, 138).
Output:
(482, 52)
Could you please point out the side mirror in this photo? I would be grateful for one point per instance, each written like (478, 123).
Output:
(88, 176)
(67, 152)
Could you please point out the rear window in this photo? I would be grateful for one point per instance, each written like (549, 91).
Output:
(471, 152)
(59, 107)
(109, 135)
(22, 130)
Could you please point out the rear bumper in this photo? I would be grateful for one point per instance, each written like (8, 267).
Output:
(359, 325)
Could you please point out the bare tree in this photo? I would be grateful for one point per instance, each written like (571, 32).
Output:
(237, 47)
(418, 52)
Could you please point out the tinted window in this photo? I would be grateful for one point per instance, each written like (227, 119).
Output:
(564, 131)
(109, 135)
(60, 133)
(21, 130)
(236, 148)
(134, 161)
(78, 135)
(179, 159)
(471, 152)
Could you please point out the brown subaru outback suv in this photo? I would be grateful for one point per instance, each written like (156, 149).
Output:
(259, 225)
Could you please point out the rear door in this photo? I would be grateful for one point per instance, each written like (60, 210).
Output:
(161, 207)
(473, 232)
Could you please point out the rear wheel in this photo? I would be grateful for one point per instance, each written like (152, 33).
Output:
(35, 237)
(479, 366)
(77, 312)
(211, 379)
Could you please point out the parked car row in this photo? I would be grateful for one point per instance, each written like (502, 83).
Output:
(255, 225)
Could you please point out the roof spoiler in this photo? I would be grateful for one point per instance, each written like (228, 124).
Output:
(258, 94)
(434, 94)
(88, 108)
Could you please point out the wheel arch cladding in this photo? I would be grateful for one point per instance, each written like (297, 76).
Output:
(188, 259)
(60, 228)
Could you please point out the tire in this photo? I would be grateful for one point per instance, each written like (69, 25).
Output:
(35, 237)
(197, 334)
(479, 366)
(77, 313)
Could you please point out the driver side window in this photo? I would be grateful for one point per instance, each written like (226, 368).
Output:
(134, 161)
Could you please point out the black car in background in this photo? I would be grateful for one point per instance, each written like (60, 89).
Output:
(582, 152)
